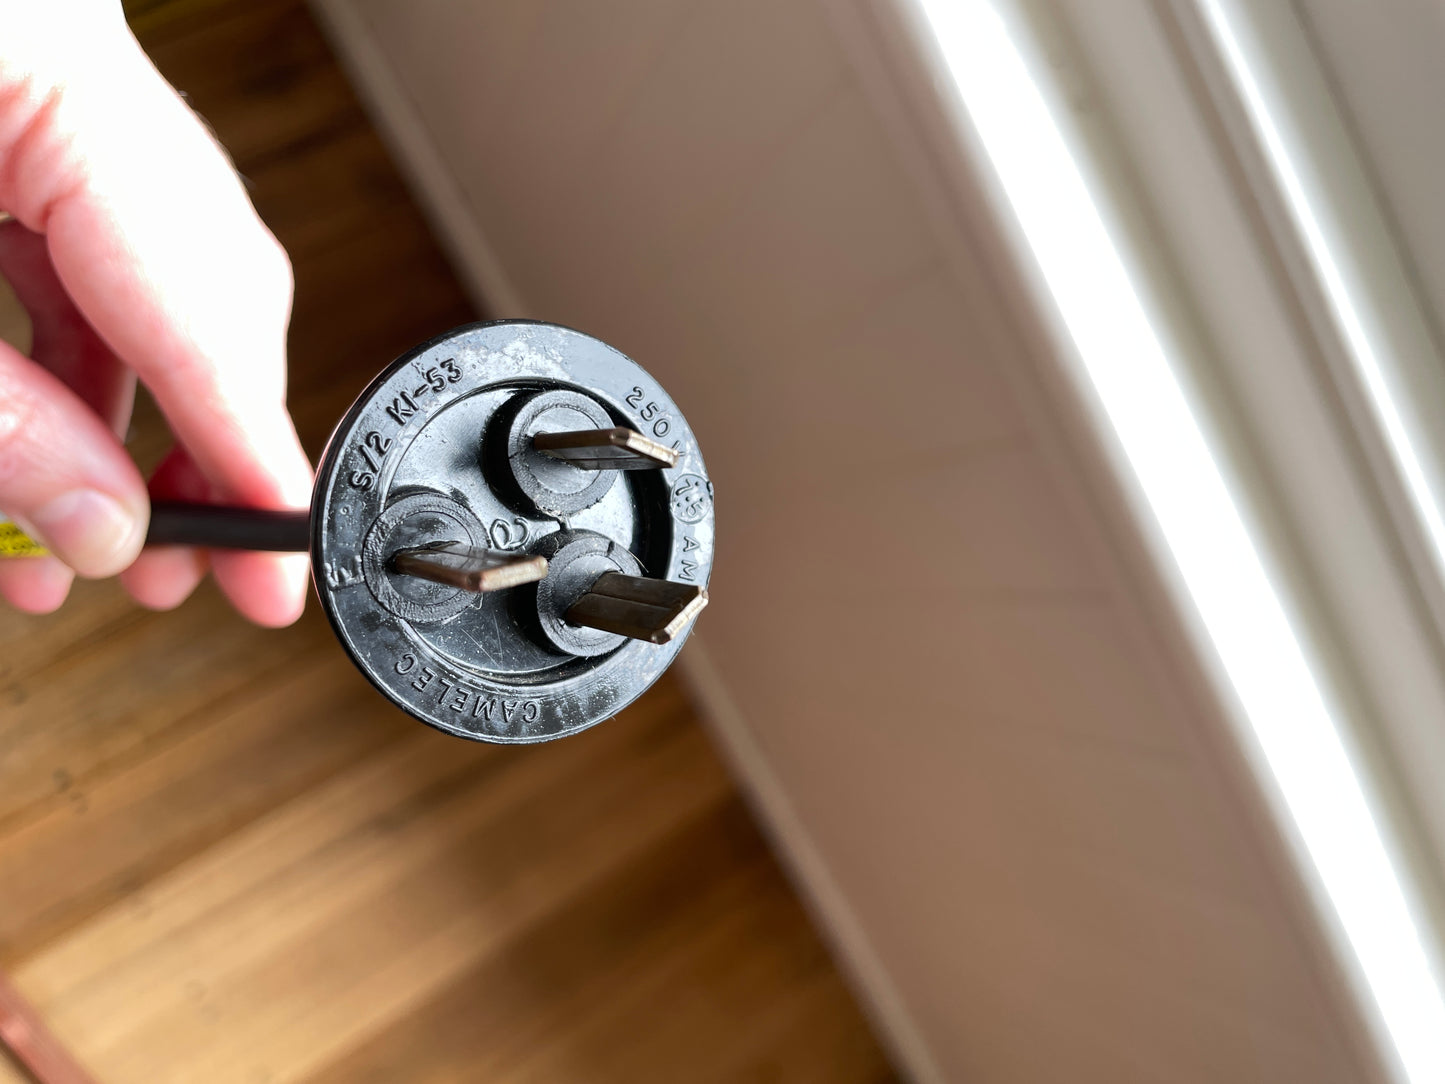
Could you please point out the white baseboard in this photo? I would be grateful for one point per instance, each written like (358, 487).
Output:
(833, 915)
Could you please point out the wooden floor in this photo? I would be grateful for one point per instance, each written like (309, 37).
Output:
(224, 858)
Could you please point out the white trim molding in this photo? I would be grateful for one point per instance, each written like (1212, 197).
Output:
(1142, 764)
(1355, 792)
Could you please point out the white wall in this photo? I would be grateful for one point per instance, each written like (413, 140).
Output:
(936, 648)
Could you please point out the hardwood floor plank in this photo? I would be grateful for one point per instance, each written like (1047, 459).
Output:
(259, 73)
(129, 828)
(434, 928)
(84, 710)
(28, 643)
(368, 809)
(327, 193)
(155, 21)
(733, 973)
(577, 974)
(411, 882)
(813, 1037)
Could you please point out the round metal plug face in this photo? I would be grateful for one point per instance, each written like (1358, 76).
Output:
(425, 531)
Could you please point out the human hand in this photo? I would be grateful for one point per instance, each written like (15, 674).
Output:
(137, 253)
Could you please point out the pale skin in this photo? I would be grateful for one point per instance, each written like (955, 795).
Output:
(138, 256)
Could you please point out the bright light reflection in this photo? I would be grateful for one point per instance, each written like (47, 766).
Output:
(1222, 570)
(1332, 277)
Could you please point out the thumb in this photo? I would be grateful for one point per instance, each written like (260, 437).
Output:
(63, 475)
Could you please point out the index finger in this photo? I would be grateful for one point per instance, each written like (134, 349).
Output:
(155, 240)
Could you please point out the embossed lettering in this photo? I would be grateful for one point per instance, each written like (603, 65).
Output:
(339, 575)
(688, 570)
(405, 663)
(458, 701)
(531, 711)
(374, 443)
(502, 537)
(691, 498)
(402, 408)
(484, 709)
(688, 543)
(427, 674)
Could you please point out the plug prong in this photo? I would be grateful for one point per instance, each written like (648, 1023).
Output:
(640, 607)
(471, 568)
(618, 448)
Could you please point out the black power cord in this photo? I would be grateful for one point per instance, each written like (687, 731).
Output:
(511, 531)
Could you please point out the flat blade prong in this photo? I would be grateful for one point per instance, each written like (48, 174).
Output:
(606, 449)
(640, 607)
(472, 568)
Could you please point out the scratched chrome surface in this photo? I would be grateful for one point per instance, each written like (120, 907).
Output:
(473, 671)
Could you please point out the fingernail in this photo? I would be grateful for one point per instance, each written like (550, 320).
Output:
(91, 531)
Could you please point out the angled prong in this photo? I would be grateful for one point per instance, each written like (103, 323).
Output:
(605, 449)
(469, 567)
(645, 609)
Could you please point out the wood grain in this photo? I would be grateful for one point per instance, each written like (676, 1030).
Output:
(224, 858)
